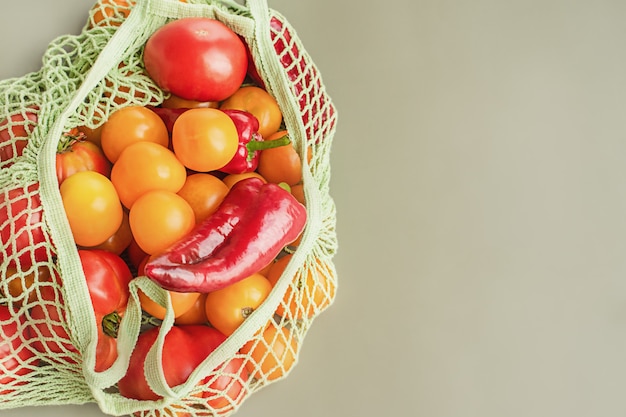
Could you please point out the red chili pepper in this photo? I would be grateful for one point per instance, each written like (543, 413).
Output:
(253, 224)
(251, 143)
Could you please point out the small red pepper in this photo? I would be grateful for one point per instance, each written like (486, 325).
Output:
(253, 224)
(251, 143)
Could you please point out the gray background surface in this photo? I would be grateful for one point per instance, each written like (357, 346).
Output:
(479, 176)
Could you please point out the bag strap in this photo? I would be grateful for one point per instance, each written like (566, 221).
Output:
(258, 9)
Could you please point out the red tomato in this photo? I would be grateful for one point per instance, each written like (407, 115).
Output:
(13, 351)
(253, 72)
(48, 332)
(197, 342)
(21, 221)
(197, 59)
(81, 155)
(107, 277)
(14, 133)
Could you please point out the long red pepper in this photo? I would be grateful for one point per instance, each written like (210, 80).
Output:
(252, 225)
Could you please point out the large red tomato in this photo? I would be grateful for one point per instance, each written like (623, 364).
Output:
(13, 351)
(107, 277)
(196, 58)
(197, 342)
(14, 133)
(81, 155)
(21, 234)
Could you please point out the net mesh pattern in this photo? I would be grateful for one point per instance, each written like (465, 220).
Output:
(47, 325)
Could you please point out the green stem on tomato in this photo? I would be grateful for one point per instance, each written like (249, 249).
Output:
(111, 324)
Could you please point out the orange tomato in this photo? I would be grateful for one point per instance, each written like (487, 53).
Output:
(158, 219)
(204, 139)
(129, 125)
(196, 313)
(175, 102)
(146, 166)
(232, 179)
(273, 355)
(181, 303)
(111, 12)
(92, 207)
(21, 286)
(310, 291)
(297, 191)
(119, 241)
(92, 135)
(228, 307)
(266, 269)
(204, 193)
(281, 164)
(261, 104)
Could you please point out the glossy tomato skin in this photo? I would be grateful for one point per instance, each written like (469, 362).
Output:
(119, 241)
(227, 308)
(160, 218)
(13, 352)
(81, 155)
(92, 207)
(204, 139)
(197, 59)
(146, 166)
(260, 104)
(21, 222)
(129, 125)
(107, 277)
(197, 342)
(282, 164)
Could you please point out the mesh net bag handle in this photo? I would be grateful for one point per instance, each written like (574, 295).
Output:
(289, 75)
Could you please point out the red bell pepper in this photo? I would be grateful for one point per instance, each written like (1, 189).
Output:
(253, 224)
(251, 143)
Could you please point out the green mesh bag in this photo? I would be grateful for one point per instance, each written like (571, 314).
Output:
(48, 331)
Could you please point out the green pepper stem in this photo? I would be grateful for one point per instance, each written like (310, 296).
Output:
(260, 145)
(285, 186)
(111, 324)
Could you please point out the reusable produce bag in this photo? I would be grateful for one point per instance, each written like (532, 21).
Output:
(48, 331)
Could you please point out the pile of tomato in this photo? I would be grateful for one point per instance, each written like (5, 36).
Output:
(143, 180)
